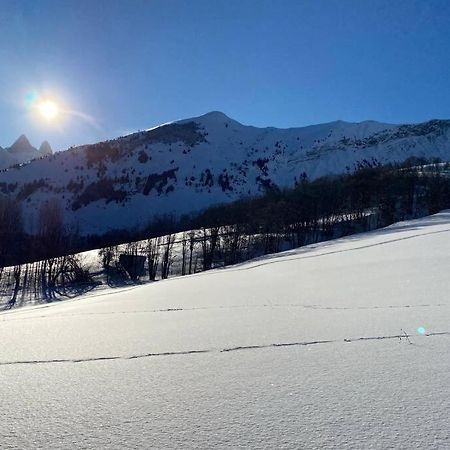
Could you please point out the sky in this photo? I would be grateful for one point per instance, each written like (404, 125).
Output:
(115, 67)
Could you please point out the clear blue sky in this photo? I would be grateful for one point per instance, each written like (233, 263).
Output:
(133, 64)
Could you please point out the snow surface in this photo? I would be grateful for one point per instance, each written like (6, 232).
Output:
(293, 350)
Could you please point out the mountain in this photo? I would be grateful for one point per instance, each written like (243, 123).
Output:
(45, 148)
(191, 164)
(22, 151)
(22, 145)
(6, 159)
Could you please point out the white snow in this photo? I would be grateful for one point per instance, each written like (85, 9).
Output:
(281, 362)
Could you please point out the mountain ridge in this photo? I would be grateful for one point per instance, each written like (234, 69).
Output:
(190, 164)
(21, 151)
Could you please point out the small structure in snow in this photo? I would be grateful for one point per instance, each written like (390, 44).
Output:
(133, 265)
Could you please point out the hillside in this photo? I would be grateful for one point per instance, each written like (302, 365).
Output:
(303, 349)
(188, 165)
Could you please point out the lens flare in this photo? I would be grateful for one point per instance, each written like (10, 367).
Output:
(48, 109)
(421, 330)
(31, 98)
(54, 111)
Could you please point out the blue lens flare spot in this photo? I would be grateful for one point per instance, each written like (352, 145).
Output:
(30, 98)
(421, 330)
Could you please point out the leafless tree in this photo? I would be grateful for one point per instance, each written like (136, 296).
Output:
(152, 250)
(167, 256)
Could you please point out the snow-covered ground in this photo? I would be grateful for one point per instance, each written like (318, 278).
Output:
(294, 350)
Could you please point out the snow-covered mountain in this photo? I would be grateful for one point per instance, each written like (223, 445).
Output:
(22, 151)
(188, 165)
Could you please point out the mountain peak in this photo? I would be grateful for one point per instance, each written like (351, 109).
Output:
(209, 118)
(22, 140)
(45, 148)
(22, 144)
(216, 115)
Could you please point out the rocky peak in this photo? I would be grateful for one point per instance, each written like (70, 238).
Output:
(22, 145)
(45, 149)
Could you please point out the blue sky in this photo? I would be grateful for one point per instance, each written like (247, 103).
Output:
(130, 64)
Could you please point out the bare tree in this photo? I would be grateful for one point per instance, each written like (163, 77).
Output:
(108, 255)
(152, 250)
(209, 239)
(167, 257)
(191, 249)
(184, 242)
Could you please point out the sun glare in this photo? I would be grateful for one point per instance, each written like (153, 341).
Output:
(48, 109)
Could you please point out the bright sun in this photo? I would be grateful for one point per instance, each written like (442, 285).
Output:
(48, 109)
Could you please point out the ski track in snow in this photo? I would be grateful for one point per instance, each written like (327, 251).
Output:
(212, 308)
(333, 252)
(227, 350)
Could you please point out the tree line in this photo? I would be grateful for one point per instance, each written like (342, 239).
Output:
(281, 219)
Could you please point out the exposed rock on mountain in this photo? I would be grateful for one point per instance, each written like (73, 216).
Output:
(45, 148)
(22, 145)
(21, 152)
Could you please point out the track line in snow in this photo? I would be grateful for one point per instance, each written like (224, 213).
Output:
(285, 344)
(290, 258)
(106, 291)
(101, 358)
(224, 350)
(224, 307)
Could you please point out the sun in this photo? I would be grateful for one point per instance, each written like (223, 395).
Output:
(48, 109)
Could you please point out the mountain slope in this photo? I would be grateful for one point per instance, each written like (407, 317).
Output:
(21, 152)
(194, 163)
(265, 354)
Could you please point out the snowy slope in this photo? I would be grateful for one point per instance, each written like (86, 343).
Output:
(191, 164)
(294, 350)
